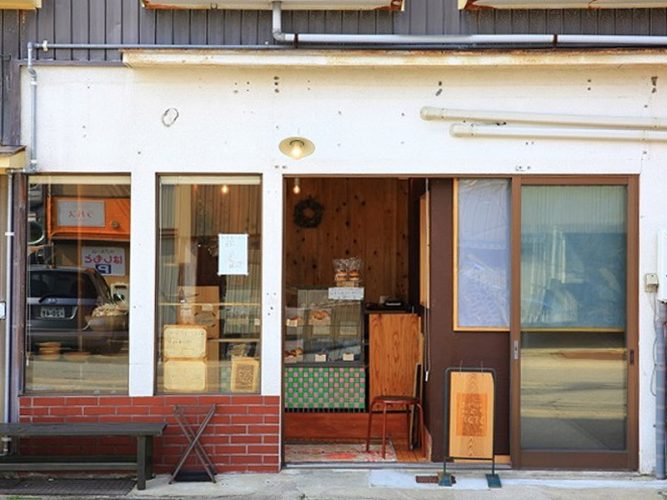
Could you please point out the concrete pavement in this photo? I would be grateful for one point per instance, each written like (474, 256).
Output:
(399, 483)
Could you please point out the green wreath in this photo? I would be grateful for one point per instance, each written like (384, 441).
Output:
(308, 213)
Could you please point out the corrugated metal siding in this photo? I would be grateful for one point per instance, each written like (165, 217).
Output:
(111, 21)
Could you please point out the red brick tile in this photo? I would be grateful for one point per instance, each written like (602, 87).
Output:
(246, 439)
(271, 459)
(98, 410)
(40, 410)
(114, 400)
(272, 419)
(247, 419)
(245, 459)
(230, 449)
(81, 400)
(147, 401)
(260, 449)
(270, 439)
(263, 429)
(214, 399)
(247, 400)
(66, 410)
(47, 401)
(180, 400)
(132, 410)
(264, 410)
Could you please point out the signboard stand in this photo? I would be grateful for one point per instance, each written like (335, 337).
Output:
(469, 413)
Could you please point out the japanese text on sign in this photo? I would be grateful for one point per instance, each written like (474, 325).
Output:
(233, 254)
(109, 261)
(80, 213)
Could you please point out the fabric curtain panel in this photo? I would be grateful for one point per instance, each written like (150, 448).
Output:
(483, 253)
(573, 256)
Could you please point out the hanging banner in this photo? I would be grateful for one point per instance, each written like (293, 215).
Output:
(232, 254)
(471, 415)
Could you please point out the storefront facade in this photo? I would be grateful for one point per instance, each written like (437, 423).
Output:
(508, 199)
(155, 127)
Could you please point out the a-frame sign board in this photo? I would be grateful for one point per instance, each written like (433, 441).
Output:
(469, 414)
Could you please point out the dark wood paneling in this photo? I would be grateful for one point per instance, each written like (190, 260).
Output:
(440, 313)
(340, 426)
(449, 348)
(362, 217)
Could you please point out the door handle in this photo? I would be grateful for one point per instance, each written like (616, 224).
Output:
(631, 357)
(515, 350)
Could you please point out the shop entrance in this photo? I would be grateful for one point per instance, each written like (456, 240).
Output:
(352, 317)
(496, 273)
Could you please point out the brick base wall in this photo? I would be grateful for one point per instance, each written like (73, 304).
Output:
(242, 436)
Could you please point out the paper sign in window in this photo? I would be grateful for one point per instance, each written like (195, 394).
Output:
(232, 254)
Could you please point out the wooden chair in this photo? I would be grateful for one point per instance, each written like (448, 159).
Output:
(387, 402)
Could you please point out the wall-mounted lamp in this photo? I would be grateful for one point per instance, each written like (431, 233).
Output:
(224, 189)
(297, 186)
(296, 147)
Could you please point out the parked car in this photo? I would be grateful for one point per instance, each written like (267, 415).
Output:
(61, 302)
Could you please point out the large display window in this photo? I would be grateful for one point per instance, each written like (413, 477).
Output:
(209, 284)
(77, 297)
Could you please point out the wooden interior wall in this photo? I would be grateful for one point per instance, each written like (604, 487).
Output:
(362, 217)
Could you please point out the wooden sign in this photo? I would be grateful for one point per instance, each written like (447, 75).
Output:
(185, 375)
(184, 342)
(471, 415)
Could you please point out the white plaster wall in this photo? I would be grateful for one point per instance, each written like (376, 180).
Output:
(362, 121)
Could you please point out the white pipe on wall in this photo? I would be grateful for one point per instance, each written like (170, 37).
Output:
(599, 121)
(473, 130)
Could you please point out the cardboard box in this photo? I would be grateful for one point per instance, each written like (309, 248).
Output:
(201, 308)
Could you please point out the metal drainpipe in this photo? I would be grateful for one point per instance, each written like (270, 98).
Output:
(32, 166)
(9, 234)
(660, 371)
(544, 40)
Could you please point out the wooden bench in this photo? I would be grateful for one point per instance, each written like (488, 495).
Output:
(142, 462)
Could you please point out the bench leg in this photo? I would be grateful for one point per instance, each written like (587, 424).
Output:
(149, 457)
(141, 462)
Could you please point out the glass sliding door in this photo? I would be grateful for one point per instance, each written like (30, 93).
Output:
(573, 319)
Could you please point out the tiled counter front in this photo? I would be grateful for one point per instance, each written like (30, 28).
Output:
(243, 435)
(325, 387)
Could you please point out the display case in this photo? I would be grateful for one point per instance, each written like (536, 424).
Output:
(320, 330)
(325, 360)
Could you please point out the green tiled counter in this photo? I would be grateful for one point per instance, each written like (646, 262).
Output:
(308, 387)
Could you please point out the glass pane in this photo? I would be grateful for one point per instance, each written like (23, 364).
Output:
(209, 284)
(483, 277)
(573, 345)
(77, 284)
(573, 256)
(573, 391)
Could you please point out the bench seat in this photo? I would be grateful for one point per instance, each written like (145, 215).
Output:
(144, 432)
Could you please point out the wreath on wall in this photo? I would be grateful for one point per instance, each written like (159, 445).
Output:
(308, 213)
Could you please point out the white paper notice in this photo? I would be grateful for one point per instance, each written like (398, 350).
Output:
(232, 254)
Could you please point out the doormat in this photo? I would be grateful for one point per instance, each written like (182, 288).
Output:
(300, 453)
(69, 487)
